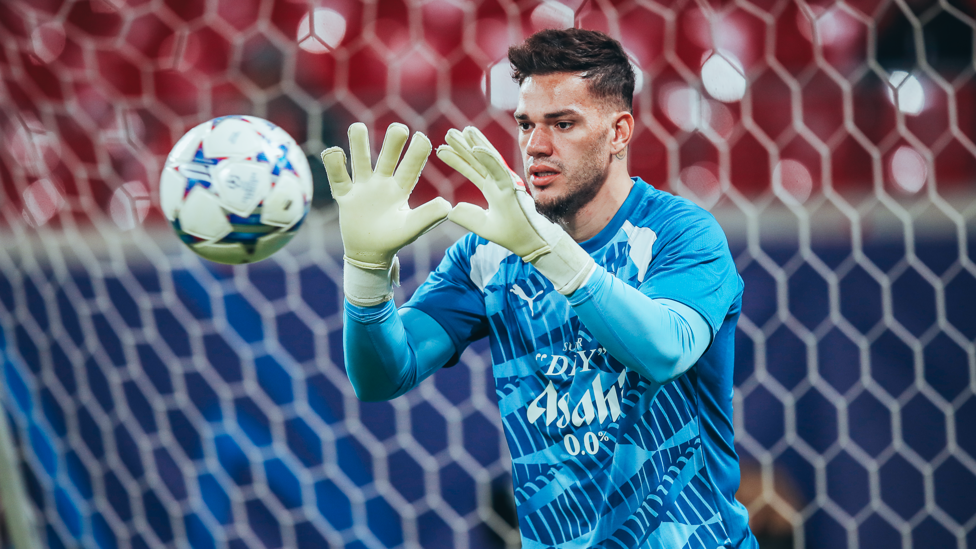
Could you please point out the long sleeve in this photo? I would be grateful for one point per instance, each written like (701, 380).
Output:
(388, 352)
(657, 338)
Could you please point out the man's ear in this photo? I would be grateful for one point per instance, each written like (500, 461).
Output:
(622, 131)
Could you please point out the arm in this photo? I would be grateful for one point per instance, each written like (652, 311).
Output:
(375, 222)
(657, 338)
(388, 352)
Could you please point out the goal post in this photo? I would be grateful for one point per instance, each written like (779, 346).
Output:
(17, 510)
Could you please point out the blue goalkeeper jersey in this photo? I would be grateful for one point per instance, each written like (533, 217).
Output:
(601, 456)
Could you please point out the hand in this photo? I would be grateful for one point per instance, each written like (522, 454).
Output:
(374, 218)
(511, 220)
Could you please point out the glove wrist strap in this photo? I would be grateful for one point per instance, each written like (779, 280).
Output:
(368, 284)
(567, 266)
(365, 265)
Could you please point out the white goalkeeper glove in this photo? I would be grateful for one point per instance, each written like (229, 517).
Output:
(374, 218)
(511, 220)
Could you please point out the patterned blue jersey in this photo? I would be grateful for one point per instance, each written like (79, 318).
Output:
(601, 456)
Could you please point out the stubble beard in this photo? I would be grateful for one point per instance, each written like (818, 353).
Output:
(581, 188)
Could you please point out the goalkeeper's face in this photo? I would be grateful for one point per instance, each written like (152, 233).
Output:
(565, 137)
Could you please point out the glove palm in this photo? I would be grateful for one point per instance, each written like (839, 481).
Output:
(511, 220)
(374, 217)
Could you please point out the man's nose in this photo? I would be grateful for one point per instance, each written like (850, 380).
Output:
(540, 143)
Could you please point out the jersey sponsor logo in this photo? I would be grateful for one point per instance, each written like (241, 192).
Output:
(556, 365)
(595, 404)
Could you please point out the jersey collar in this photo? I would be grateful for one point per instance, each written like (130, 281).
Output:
(607, 233)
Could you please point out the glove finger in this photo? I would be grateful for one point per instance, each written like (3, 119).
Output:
(470, 217)
(359, 151)
(396, 138)
(427, 216)
(454, 160)
(462, 147)
(541, 224)
(334, 161)
(478, 139)
(497, 168)
(408, 172)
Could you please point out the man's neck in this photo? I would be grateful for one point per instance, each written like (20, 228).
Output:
(593, 217)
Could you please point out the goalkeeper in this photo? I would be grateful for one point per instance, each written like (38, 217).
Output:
(610, 308)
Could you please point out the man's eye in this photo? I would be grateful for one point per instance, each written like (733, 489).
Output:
(524, 126)
(564, 125)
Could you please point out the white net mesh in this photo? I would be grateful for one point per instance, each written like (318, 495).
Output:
(160, 400)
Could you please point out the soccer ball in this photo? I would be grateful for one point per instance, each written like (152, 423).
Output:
(236, 189)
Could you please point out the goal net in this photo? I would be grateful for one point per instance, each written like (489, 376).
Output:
(155, 399)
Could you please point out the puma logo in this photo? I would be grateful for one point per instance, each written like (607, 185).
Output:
(517, 290)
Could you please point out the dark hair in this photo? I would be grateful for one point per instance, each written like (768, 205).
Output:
(598, 57)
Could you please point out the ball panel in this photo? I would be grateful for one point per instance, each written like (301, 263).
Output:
(202, 217)
(222, 252)
(241, 185)
(267, 245)
(299, 162)
(265, 127)
(186, 148)
(195, 174)
(172, 188)
(236, 253)
(278, 135)
(247, 234)
(285, 205)
(253, 219)
(232, 138)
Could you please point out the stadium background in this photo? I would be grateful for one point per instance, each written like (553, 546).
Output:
(160, 400)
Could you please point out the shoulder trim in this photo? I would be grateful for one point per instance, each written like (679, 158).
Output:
(641, 240)
(485, 262)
